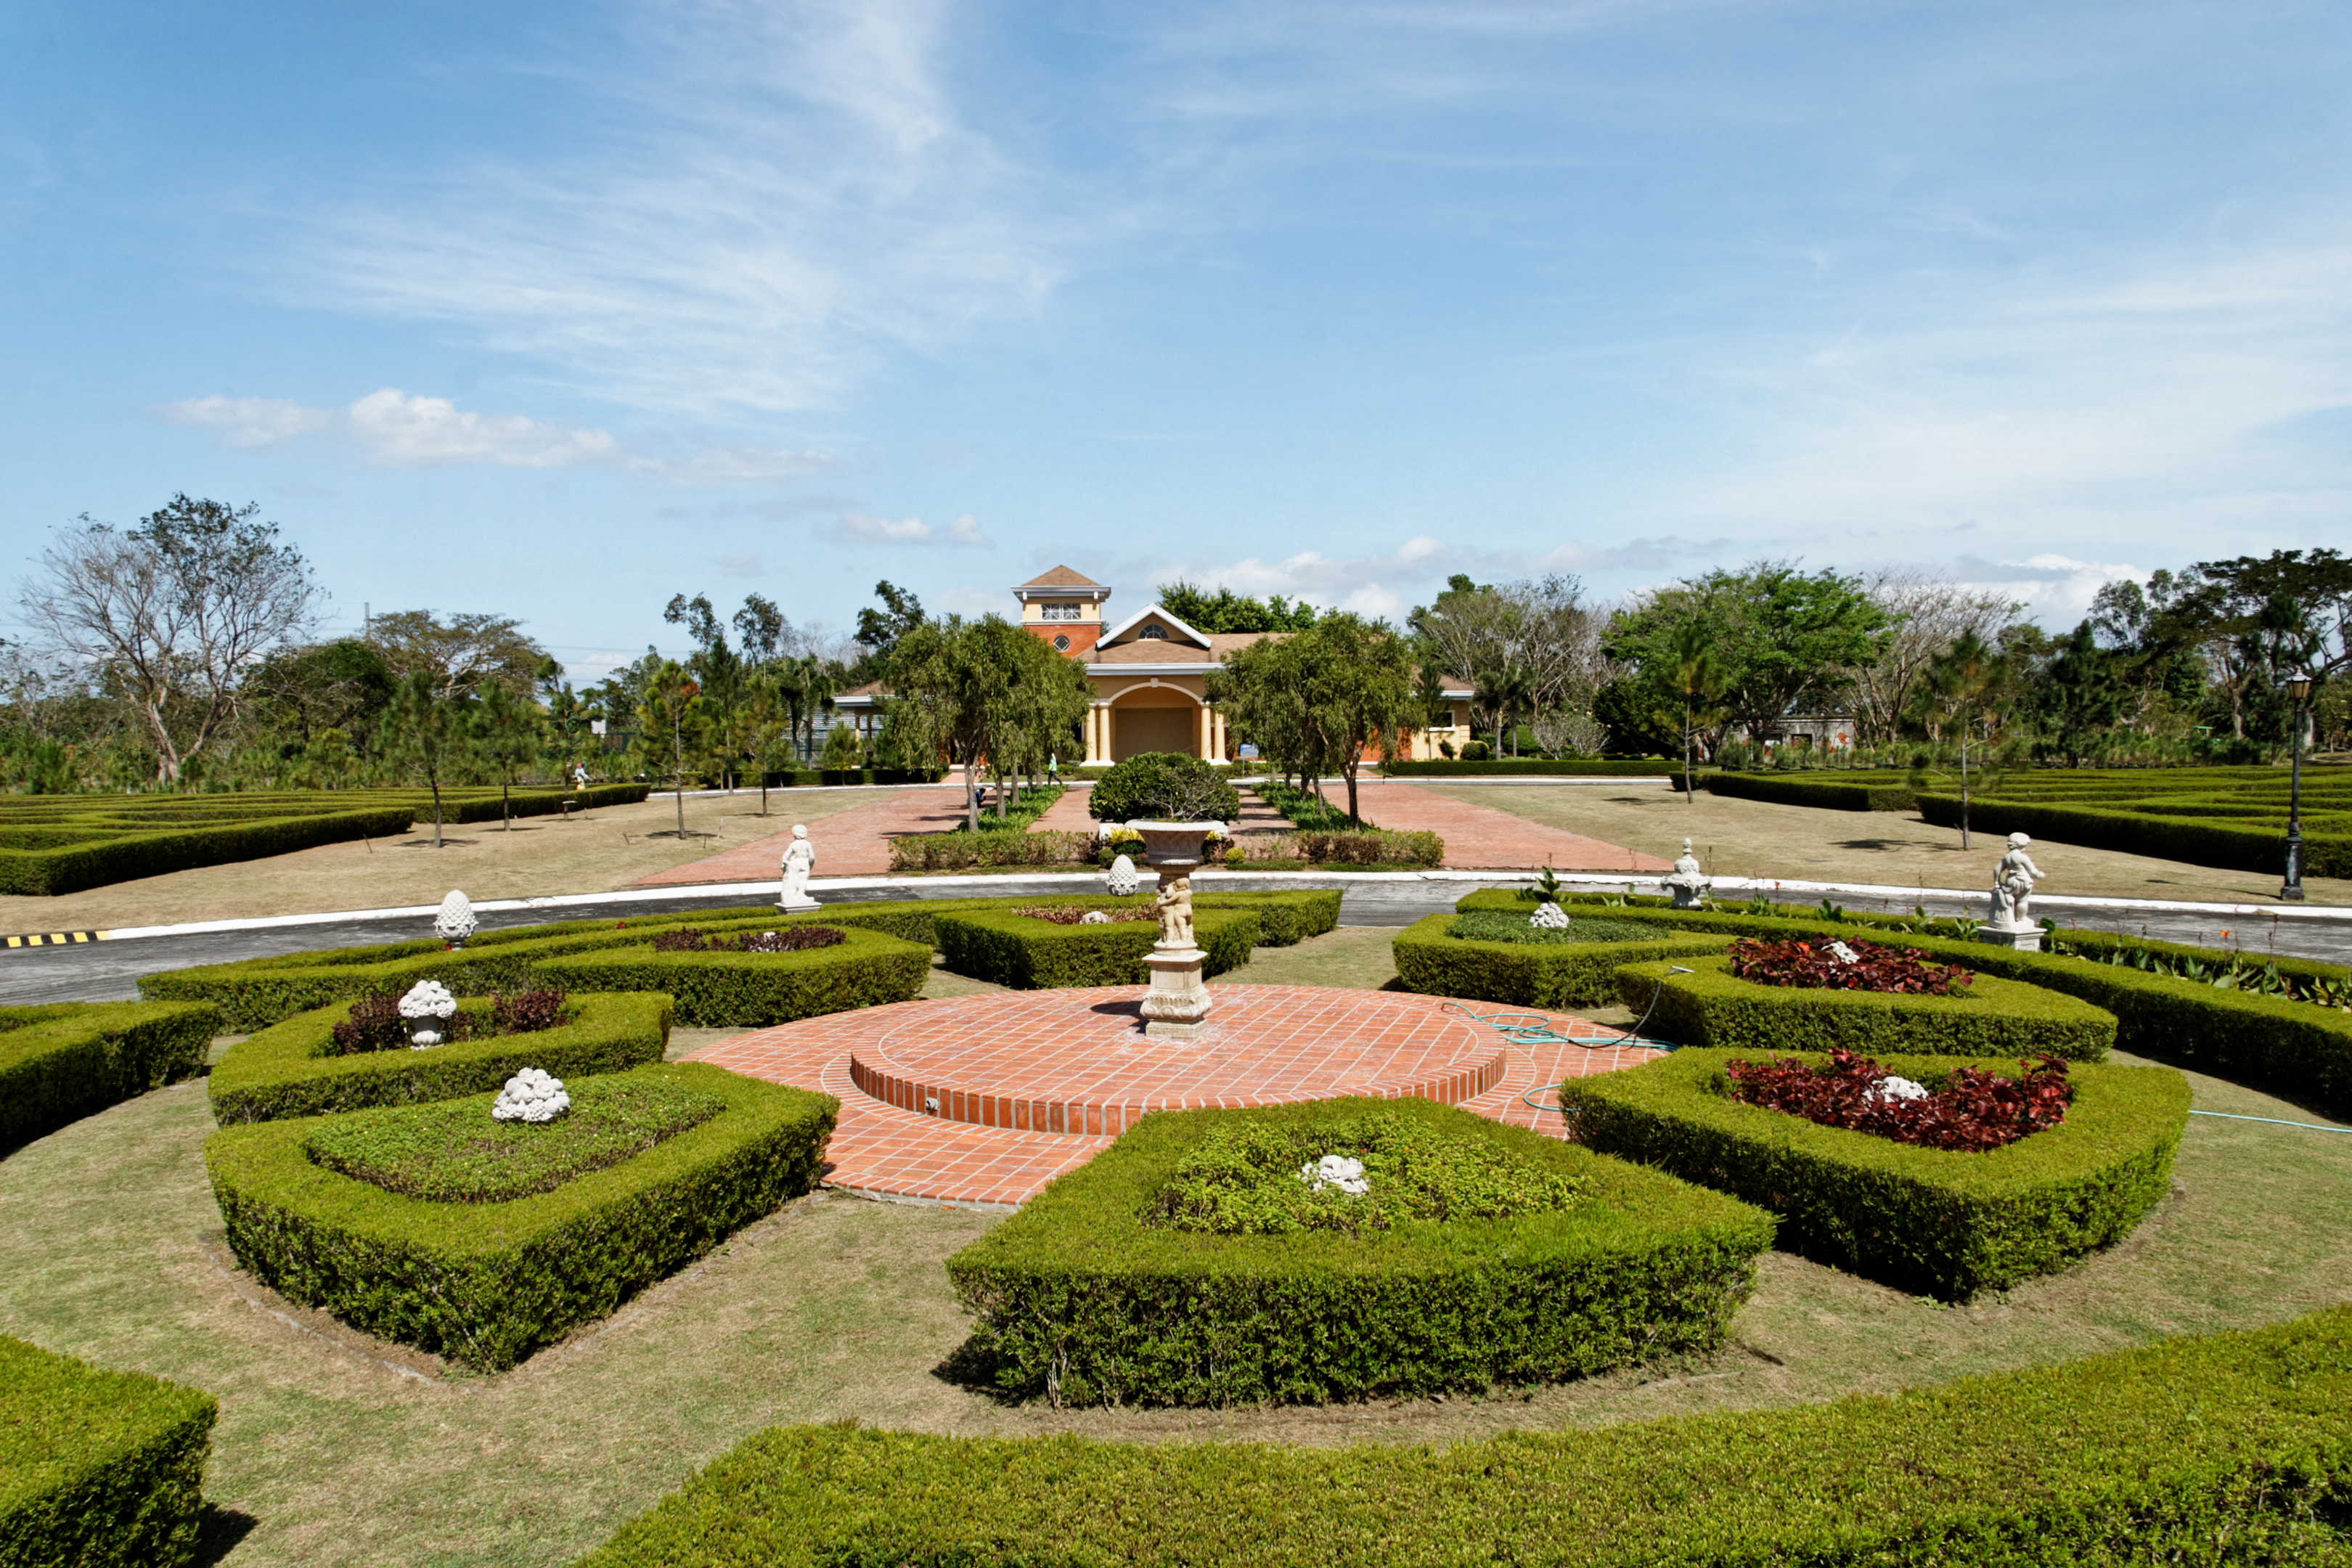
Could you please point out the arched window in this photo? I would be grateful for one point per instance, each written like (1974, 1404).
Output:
(1153, 634)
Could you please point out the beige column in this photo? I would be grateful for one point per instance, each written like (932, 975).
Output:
(1097, 751)
(1207, 740)
(1218, 740)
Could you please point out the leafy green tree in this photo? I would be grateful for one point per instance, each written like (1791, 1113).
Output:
(879, 631)
(1697, 676)
(2081, 696)
(428, 730)
(1965, 689)
(462, 653)
(1227, 611)
(842, 750)
(951, 685)
(671, 735)
(507, 731)
(1323, 698)
(767, 736)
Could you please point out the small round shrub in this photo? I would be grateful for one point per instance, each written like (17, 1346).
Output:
(1163, 786)
(1476, 752)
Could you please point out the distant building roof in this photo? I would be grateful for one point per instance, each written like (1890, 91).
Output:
(1061, 577)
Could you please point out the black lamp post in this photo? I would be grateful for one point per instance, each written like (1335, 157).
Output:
(2299, 688)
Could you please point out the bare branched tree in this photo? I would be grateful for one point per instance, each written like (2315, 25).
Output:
(171, 612)
(1532, 647)
(1929, 613)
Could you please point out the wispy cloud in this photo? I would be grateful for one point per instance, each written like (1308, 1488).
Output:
(771, 198)
(394, 429)
(858, 527)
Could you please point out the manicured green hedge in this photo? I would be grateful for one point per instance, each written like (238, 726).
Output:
(485, 1284)
(125, 855)
(98, 1469)
(1988, 1018)
(2231, 1448)
(1794, 789)
(2199, 841)
(867, 970)
(1571, 767)
(286, 1070)
(1940, 1220)
(1078, 1299)
(1031, 954)
(1527, 974)
(61, 1062)
(2295, 1049)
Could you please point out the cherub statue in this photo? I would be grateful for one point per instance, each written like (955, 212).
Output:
(2013, 886)
(1175, 904)
(800, 860)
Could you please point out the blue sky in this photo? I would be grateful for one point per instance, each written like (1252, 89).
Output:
(559, 310)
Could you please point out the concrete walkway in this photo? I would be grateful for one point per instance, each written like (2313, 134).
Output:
(853, 843)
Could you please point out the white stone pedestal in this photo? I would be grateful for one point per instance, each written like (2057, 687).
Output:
(789, 905)
(1177, 1002)
(2024, 938)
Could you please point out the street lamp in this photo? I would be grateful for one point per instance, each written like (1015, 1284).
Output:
(2299, 690)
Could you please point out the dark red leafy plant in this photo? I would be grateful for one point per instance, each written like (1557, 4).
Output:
(1817, 964)
(1973, 1111)
(526, 1012)
(374, 1023)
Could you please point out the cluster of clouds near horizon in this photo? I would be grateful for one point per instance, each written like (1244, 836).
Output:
(583, 306)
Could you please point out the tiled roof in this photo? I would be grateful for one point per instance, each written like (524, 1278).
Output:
(1156, 650)
(1061, 577)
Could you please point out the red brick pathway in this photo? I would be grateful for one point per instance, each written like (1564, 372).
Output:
(1480, 838)
(1007, 1052)
(853, 843)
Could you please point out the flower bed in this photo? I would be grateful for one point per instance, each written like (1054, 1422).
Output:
(1495, 925)
(1939, 1220)
(1973, 1109)
(1087, 1296)
(730, 986)
(791, 939)
(1700, 1002)
(1078, 914)
(487, 1283)
(1838, 964)
(294, 1068)
(377, 1024)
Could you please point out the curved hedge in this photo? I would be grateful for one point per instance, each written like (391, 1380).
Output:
(1989, 1016)
(1794, 789)
(1947, 1222)
(1527, 973)
(485, 1284)
(1076, 1295)
(2230, 1449)
(101, 1470)
(2297, 1050)
(287, 1070)
(1571, 767)
(61, 1062)
(2199, 841)
(867, 969)
(1030, 954)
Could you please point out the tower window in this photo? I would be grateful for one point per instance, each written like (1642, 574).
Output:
(1060, 612)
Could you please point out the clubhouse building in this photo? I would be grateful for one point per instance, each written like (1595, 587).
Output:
(1150, 674)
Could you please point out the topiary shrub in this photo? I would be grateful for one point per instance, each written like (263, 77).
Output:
(1948, 1222)
(1032, 955)
(296, 1068)
(1434, 959)
(488, 1283)
(98, 1470)
(722, 986)
(1163, 786)
(1088, 1297)
(1701, 1003)
(66, 1060)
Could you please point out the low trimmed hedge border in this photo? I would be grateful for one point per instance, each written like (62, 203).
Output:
(1988, 1016)
(867, 969)
(485, 1284)
(1527, 974)
(2227, 1448)
(1794, 789)
(1030, 954)
(2297, 1050)
(1567, 767)
(1078, 1300)
(2198, 841)
(288, 1071)
(98, 1470)
(1949, 1222)
(62, 1062)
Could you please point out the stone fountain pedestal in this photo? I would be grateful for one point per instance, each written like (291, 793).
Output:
(1177, 1005)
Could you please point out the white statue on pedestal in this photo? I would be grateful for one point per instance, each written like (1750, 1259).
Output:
(800, 860)
(2013, 887)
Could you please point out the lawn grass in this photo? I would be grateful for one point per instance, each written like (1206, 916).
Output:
(1735, 838)
(594, 851)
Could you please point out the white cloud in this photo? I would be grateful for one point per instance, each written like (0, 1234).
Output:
(743, 564)
(2056, 590)
(858, 527)
(394, 429)
(1386, 584)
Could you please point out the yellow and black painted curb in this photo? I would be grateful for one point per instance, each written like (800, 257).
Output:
(56, 938)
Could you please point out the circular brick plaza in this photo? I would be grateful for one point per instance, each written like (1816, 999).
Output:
(982, 1100)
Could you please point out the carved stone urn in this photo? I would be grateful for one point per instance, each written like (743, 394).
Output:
(1177, 1002)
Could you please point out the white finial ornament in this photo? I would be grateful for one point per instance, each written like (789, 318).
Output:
(531, 1096)
(424, 1005)
(456, 921)
(1123, 877)
(1548, 917)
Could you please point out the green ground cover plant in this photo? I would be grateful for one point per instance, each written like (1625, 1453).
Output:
(100, 1469)
(1028, 954)
(293, 1069)
(448, 1152)
(1949, 1222)
(2226, 1448)
(1706, 1004)
(1080, 1298)
(1498, 925)
(65, 1060)
(488, 1283)
(1431, 957)
(867, 969)
(2300, 1049)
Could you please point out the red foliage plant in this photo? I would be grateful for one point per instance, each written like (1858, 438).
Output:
(376, 1023)
(1973, 1111)
(792, 939)
(1818, 965)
